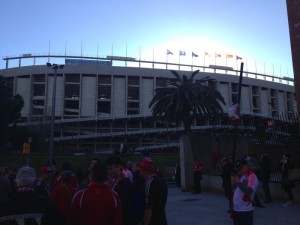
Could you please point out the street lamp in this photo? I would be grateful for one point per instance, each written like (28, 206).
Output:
(55, 67)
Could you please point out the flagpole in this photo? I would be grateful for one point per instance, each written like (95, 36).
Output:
(126, 55)
(192, 62)
(65, 49)
(49, 52)
(153, 58)
(140, 55)
(179, 61)
(247, 67)
(215, 60)
(97, 51)
(167, 56)
(204, 61)
(81, 49)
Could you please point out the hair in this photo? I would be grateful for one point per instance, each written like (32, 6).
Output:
(96, 159)
(99, 173)
(66, 165)
(114, 160)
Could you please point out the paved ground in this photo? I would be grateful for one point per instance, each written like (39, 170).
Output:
(185, 208)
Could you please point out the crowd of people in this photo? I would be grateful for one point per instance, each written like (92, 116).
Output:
(126, 194)
(114, 194)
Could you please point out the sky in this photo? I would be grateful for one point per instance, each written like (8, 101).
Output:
(255, 30)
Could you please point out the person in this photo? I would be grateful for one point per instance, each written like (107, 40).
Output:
(122, 186)
(62, 194)
(96, 204)
(197, 177)
(5, 187)
(177, 175)
(265, 175)
(156, 193)
(285, 165)
(94, 161)
(226, 180)
(245, 184)
(127, 172)
(42, 186)
(26, 206)
(139, 195)
(66, 166)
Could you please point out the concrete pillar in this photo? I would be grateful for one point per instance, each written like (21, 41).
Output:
(186, 162)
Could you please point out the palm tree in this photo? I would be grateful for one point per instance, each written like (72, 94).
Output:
(184, 96)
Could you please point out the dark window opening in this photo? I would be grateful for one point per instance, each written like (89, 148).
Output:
(39, 90)
(104, 92)
(104, 107)
(72, 105)
(133, 93)
(71, 90)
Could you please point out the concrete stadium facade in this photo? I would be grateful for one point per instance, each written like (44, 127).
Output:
(101, 104)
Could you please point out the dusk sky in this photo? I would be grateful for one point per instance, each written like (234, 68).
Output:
(255, 30)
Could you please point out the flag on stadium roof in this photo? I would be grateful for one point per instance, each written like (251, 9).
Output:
(194, 55)
(169, 52)
(182, 53)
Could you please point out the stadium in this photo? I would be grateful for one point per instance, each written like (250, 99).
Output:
(102, 103)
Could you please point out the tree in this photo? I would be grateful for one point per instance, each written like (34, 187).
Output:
(10, 108)
(184, 96)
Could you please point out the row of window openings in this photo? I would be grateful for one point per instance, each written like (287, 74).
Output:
(103, 107)
(256, 102)
(73, 91)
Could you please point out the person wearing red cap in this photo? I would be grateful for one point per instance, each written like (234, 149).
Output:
(156, 193)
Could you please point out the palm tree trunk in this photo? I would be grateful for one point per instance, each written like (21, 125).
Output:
(186, 162)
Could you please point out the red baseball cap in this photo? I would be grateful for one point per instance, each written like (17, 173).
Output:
(147, 165)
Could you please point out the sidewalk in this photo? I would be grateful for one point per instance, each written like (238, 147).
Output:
(185, 208)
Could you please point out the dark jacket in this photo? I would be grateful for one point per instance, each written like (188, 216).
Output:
(265, 168)
(30, 207)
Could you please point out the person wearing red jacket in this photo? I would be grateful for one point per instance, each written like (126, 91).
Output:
(66, 166)
(96, 204)
(63, 193)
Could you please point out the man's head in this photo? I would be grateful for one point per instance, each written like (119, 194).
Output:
(114, 166)
(66, 176)
(26, 176)
(243, 165)
(99, 173)
(146, 167)
(94, 161)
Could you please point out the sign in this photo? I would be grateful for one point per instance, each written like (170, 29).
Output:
(88, 62)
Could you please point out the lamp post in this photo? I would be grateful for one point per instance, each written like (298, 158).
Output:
(55, 67)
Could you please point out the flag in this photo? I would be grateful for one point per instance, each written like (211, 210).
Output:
(229, 56)
(182, 53)
(169, 52)
(238, 57)
(206, 54)
(194, 55)
(217, 55)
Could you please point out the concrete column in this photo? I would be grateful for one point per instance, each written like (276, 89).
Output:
(186, 162)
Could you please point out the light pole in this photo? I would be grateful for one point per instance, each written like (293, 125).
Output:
(55, 67)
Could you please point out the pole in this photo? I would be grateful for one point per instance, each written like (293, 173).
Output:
(52, 118)
(238, 102)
